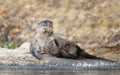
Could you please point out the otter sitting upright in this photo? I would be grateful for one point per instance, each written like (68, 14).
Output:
(44, 42)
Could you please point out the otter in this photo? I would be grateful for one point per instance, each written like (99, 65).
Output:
(46, 43)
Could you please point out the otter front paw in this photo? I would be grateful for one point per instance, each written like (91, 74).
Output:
(38, 55)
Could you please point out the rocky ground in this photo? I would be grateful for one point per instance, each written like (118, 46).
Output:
(93, 24)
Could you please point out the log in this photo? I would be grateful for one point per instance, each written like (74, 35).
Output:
(21, 58)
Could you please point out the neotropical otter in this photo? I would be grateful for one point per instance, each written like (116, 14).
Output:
(45, 42)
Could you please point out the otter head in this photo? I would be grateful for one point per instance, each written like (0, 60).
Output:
(45, 27)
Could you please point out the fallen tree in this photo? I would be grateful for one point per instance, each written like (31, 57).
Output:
(20, 58)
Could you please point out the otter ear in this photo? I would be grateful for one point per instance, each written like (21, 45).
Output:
(39, 24)
(50, 24)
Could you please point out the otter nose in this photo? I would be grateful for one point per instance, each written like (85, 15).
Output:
(45, 29)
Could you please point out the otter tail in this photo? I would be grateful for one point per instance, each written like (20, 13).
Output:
(88, 56)
(82, 54)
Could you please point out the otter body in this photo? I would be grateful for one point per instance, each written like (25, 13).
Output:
(45, 43)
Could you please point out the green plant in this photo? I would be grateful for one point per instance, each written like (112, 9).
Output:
(10, 45)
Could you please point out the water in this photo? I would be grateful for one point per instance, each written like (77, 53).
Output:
(38, 72)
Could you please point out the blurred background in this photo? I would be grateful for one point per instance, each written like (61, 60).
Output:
(92, 24)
